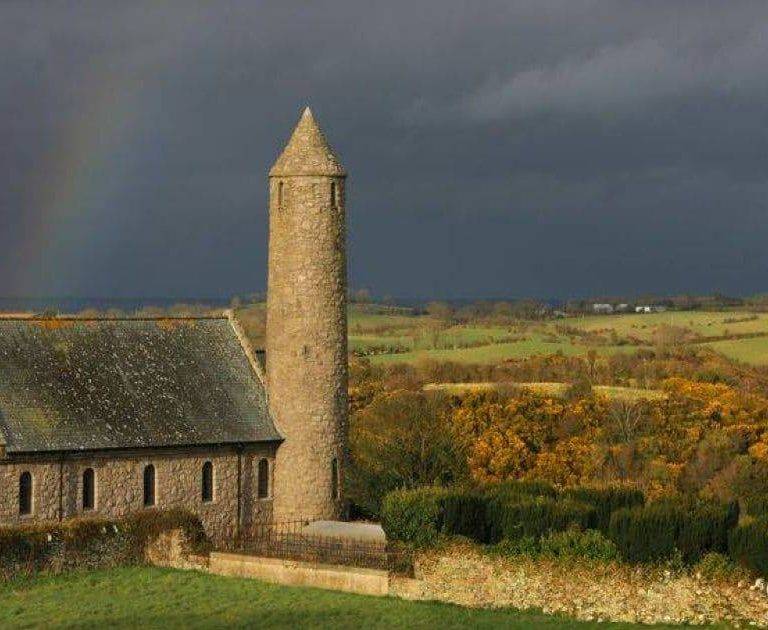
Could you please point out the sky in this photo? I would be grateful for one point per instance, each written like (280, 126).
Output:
(531, 148)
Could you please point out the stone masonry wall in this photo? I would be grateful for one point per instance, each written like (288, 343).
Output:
(119, 487)
(307, 342)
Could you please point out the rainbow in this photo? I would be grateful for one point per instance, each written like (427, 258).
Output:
(69, 196)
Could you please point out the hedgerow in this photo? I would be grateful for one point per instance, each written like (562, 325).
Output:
(413, 516)
(512, 517)
(748, 545)
(420, 516)
(606, 501)
(536, 517)
(656, 531)
(90, 542)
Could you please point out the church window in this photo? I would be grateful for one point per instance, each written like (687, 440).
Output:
(25, 493)
(263, 479)
(334, 478)
(89, 489)
(207, 482)
(149, 485)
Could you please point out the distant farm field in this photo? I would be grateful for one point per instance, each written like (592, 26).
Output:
(754, 350)
(390, 335)
(402, 338)
(552, 389)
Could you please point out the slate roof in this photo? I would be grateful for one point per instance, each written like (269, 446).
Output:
(72, 384)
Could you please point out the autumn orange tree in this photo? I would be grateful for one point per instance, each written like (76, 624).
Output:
(707, 435)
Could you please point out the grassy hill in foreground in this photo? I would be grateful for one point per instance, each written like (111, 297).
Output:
(163, 598)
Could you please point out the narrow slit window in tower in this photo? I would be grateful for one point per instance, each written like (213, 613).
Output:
(207, 489)
(263, 479)
(334, 478)
(89, 489)
(149, 485)
(25, 493)
(280, 194)
(333, 194)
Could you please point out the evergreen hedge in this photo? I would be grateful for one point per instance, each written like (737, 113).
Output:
(656, 531)
(748, 545)
(464, 513)
(419, 516)
(520, 489)
(413, 516)
(535, 517)
(756, 506)
(606, 501)
(513, 511)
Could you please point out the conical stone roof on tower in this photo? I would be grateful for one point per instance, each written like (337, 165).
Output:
(307, 152)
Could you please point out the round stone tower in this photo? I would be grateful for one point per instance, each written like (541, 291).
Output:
(306, 347)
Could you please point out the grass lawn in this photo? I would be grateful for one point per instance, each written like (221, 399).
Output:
(164, 598)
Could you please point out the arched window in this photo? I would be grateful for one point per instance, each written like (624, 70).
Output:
(263, 480)
(333, 194)
(89, 489)
(334, 478)
(25, 493)
(280, 194)
(149, 485)
(207, 485)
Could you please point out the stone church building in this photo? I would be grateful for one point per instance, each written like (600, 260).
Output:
(103, 417)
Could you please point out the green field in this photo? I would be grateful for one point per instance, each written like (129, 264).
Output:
(163, 598)
(754, 351)
(386, 338)
(706, 324)
(387, 335)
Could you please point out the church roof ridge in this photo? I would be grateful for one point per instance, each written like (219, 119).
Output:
(307, 152)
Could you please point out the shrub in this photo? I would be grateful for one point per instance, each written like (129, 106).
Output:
(524, 546)
(535, 517)
(87, 543)
(645, 534)
(516, 489)
(606, 501)
(756, 506)
(574, 543)
(705, 529)
(463, 513)
(402, 439)
(143, 526)
(656, 531)
(716, 566)
(581, 388)
(748, 545)
(413, 516)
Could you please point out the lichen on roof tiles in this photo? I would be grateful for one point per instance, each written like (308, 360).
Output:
(98, 384)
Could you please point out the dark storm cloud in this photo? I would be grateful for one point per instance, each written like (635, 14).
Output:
(495, 148)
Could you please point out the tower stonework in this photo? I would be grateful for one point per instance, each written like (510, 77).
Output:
(306, 340)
